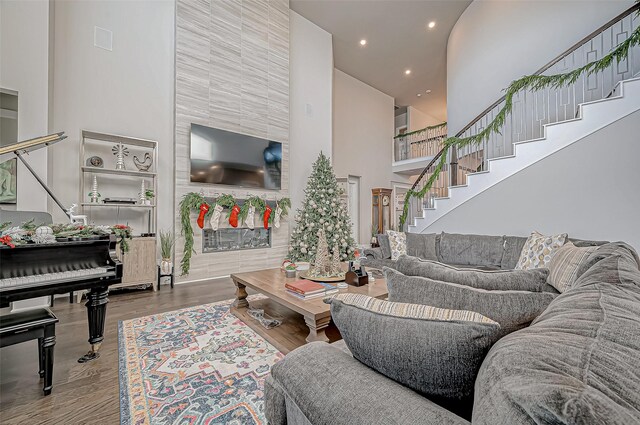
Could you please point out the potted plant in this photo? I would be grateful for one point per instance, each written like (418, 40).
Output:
(374, 239)
(290, 270)
(166, 247)
(148, 196)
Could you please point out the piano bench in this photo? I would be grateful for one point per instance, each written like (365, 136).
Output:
(27, 325)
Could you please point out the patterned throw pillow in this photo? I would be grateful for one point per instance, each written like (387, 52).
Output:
(410, 311)
(538, 250)
(398, 242)
(565, 263)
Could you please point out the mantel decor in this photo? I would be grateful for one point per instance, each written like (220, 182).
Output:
(238, 213)
(531, 82)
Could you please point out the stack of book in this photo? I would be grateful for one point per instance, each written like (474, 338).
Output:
(308, 290)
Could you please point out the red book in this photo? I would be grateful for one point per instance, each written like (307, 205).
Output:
(304, 287)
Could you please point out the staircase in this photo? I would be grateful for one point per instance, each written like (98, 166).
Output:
(541, 124)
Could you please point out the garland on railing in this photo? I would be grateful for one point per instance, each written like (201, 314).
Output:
(533, 83)
(431, 127)
(196, 202)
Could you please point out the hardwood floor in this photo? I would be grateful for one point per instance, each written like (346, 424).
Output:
(89, 393)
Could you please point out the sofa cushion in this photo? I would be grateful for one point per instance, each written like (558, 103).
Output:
(398, 242)
(330, 387)
(539, 249)
(512, 309)
(385, 246)
(564, 265)
(512, 250)
(422, 245)
(476, 250)
(521, 280)
(577, 363)
(436, 352)
(605, 251)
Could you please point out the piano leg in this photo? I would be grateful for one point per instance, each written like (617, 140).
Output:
(96, 313)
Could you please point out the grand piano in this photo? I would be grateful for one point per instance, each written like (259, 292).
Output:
(36, 270)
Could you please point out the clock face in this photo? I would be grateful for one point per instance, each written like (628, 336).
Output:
(385, 200)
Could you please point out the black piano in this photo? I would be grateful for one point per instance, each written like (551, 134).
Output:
(36, 270)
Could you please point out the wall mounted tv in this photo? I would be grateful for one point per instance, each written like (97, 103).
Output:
(223, 157)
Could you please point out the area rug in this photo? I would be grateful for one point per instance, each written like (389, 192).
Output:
(198, 365)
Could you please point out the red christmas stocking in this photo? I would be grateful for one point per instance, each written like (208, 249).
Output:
(233, 217)
(267, 214)
(203, 210)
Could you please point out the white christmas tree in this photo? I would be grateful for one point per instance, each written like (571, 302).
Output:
(321, 208)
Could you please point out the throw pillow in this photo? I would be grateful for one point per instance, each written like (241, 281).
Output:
(538, 250)
(563, 268)
(513, 310)
(398, 243)
(422, 245)
(520, 280)
(436, 352)
(383, 241)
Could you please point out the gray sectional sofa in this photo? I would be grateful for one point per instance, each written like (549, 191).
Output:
(577, 363)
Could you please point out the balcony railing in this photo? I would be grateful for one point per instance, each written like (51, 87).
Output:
(422, 143)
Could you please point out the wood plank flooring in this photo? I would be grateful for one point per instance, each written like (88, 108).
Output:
(89, 393)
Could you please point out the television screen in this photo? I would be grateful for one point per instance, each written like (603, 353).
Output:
(222, 157)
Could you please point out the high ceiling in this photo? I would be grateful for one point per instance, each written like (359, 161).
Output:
(398, 38)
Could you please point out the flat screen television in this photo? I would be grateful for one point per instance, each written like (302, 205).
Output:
(223, 157)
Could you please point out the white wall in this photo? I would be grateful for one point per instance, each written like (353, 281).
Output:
(363, 129)
(589, 189)
(419, 120)
(311, 93)
(24, 67)
(127, 91)
(496, 41)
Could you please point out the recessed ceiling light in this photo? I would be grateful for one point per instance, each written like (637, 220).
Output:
(419, 95)
(363, 42)
(428, 92)
(407, 72)
(432, 24)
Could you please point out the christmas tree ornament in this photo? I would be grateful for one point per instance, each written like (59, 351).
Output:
(266, 215)
(204, 208)
(215, 217)
(276, 216)
(233, 216)
(251, 216)
(43, 235)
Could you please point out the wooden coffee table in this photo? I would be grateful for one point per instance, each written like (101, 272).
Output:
(317, 315)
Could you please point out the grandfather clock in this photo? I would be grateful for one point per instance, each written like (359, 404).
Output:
(381, 209)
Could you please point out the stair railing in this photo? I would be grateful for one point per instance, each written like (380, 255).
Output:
(534, 109)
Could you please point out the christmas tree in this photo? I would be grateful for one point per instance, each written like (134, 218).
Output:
(321, 209)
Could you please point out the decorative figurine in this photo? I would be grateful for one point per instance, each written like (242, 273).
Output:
(120, 151)
(95, 196)
(95, 161)
(145, 164)
(73, 218)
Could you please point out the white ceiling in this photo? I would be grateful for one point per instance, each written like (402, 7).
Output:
(397, 39)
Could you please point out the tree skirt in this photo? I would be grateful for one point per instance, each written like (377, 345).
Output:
(198, 365)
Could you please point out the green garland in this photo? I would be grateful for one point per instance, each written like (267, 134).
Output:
(26, 232)
(533, 83)
(431, 127)
(191, 203)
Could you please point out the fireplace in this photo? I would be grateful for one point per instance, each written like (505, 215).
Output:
(235, 239)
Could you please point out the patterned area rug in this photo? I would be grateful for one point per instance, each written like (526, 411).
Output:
(198, 365)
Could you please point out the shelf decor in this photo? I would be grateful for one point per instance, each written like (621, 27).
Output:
(194, 202)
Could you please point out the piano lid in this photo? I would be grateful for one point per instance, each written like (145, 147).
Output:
(33, 144)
